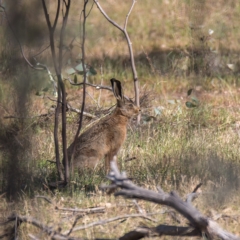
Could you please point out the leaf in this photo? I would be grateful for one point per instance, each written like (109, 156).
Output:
(79, 68)
(231, 66)
(75, 78)
(190, 105)
(157, 111)
(70, 71)
(195, 100)
(147, 118)
(189, 91)
(38, 93)
(92, 71)
(45, 89)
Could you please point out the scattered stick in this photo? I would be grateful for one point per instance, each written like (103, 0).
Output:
(140, 210)
(79, 210)
(37, 116)
(86, 210)
(45, 198)
(102, 222)
(130, 159)
(33, 237)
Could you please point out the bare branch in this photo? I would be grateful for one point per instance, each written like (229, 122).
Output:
(56, 17)
(107, 17)
(41, 51)
(130, 10)
(90, 10)
(59, 93)
(129, 43)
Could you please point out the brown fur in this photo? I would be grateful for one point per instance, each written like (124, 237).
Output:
(104, 139)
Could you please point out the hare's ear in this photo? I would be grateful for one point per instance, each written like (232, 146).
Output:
(117, 90)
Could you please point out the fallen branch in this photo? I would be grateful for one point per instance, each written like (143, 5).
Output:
(199, 223)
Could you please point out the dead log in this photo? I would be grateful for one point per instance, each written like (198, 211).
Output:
(200, 224)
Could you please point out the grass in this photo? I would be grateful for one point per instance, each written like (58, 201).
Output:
(175, 147)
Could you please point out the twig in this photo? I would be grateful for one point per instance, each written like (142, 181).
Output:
(37, 116)
(197, 187)
(41, 51)
(193, 195)
(130, 159)
(90, 84)
(102, 222)
(86, 210)
(140, 210)
(74, 224)
(79, 111)
(70, 108)
(45, 198)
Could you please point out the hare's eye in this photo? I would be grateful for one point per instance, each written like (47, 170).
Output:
(130, 105)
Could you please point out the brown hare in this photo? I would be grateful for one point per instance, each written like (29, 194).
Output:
(104, 139)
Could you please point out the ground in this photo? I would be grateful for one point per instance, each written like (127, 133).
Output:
(185, 136)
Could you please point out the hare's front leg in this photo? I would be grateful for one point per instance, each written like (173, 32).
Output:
(108, 159)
